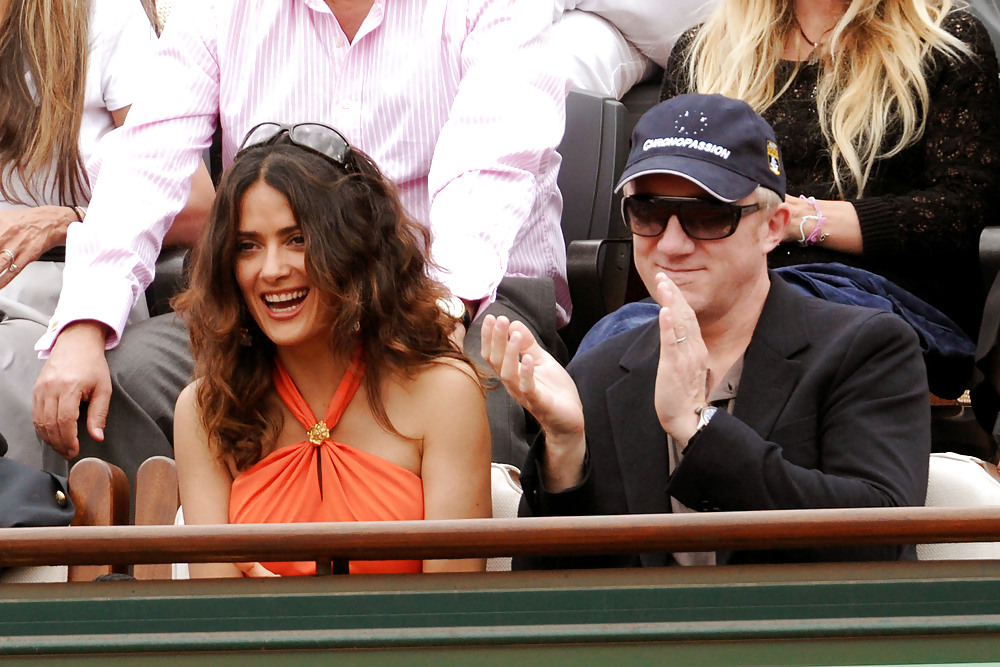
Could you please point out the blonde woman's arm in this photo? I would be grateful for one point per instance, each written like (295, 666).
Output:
(841, 230)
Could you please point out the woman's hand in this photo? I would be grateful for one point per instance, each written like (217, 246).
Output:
(841, 230)
(254, 570)
(27, 233)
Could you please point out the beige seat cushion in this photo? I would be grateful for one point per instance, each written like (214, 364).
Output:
(956, 480)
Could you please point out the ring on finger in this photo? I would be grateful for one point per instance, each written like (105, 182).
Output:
(681, 339)
(11, 266)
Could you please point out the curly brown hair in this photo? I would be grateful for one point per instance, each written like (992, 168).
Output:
(364, 255)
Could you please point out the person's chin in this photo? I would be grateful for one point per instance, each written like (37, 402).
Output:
(690, 283)
(288, 338)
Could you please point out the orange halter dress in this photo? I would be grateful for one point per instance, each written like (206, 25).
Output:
(320, 479)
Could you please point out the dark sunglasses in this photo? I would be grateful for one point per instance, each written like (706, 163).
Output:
(701, 219)
(316, 137)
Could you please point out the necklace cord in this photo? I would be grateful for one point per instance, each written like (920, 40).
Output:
(802, 32)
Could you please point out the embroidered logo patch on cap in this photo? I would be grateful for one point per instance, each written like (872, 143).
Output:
(772, 158)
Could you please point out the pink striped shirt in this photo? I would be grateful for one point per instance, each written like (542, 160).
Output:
(454, 99)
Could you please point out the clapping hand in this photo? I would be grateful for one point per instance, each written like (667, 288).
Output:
(542, 386)
(682, 370)
(533, 377)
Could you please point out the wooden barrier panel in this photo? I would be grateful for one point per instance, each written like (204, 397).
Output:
(906, 613)
(916, 613)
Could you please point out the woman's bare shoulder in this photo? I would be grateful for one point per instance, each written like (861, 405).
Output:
(187, 401)
(445, 374)
(418, 401)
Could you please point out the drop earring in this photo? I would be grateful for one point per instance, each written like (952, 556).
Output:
(246, 338)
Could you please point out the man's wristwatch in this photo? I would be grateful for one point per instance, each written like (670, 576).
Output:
(455, 307)
(705, 415)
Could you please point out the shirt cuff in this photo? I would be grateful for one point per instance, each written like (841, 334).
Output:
(472, 273)
(77, 302)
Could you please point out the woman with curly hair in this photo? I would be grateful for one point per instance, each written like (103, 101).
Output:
(888, 117)
(310, 290)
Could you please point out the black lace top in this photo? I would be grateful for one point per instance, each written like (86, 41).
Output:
(923, 209)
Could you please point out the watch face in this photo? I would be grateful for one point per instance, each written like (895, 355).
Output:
(706, 416)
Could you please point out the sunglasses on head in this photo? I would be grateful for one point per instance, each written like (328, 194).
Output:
(701, 219)
(316, 137)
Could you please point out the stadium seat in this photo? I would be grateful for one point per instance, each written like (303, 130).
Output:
(593, 152)
(961, 481)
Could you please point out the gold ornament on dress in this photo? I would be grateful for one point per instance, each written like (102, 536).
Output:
(319, 433)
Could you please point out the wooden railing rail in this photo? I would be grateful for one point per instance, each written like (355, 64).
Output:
(92, 545)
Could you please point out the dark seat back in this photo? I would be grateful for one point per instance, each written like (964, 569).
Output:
(593, 152)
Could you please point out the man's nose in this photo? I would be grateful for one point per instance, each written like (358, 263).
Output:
(674, 240)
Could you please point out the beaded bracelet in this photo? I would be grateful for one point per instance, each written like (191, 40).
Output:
(817, 235)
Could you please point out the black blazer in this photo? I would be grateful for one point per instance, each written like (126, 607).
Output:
(832, 410)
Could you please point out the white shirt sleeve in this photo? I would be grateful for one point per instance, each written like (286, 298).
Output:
(141, 178)
(492, 178)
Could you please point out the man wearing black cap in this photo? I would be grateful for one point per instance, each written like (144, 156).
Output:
(745, 394)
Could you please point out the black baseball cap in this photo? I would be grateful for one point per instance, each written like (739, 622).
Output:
(718, 143)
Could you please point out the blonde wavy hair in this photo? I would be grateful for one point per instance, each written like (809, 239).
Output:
(43, 48)
(871, 93)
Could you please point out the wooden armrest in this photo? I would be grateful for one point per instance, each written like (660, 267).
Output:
(100, 493)
(157, 498)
